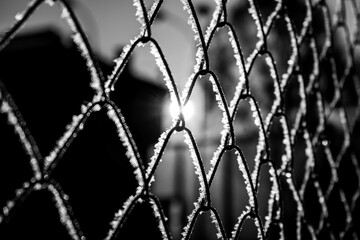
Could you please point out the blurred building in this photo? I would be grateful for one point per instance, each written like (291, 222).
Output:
(48, 81)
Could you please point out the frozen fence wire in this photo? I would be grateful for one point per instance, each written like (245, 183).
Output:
(308, 129)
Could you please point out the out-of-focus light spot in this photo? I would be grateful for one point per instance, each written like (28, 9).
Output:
(188, 110)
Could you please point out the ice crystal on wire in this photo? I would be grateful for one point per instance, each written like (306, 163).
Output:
(237, 227)
(152, 8)
(124, 137)
(246, 175)
(307, 21)
(6, 108)
(191, 79)
(302, 108)
(197, 32)
(157, 150)
(50, 2)
(19, 16)
(213, 22)
(252, 56)
(79, 41)
(215, 221)
(258, 227)
(315, 72)
(120, 63)
(63, 212)
(170, 84)
(71, 129)
(255, 15)
(327, 41)
(191, 21)
(139, 13)
(261, 142)
(241, 69)
(294, 53)
(196, 160)
(272, 16)
(222, 106)
(322, 200)
(221, 103)
(287, 142)
(119, 216)
(310, 161)
(274, 198)
(277, 90)
(95, 81)
(5, 210)
(216, 158)
(19, 192)
(190, 218)
(157, 214)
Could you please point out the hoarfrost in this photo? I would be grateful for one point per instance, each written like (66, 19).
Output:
(166, 73)
(50, 2)
(9, 110)
(71, 129)
(221, 103)
(258, 227)
(240, 219)
(63, 212)
(152, 9)
(241, 69)
(19, 16)
(157, 150)
(255, 15)
(139, 13)
(196, 162)
(217, 225)
(277, 90)
(197, 32)
(119, 216)
(5, 211)
(19, 192)
(272, 16)
(79, 41)
(157, 214)
(251, 57)
(315, 72)
(249, 187)
(274, 197)
(124, 137)
(190, 218)
(307, 21)
(120, 63)
(294, 49)
(191, 21)
(215, 159)
(287, 142)
(261, 142)
(95, 80)
(213, 22)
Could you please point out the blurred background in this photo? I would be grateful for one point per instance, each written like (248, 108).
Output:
(47, 78)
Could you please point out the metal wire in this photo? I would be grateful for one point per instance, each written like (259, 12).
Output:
(282, 176)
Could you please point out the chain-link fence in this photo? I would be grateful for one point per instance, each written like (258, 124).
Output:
(292, 89)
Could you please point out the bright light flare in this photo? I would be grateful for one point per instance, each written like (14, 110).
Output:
(188, 110)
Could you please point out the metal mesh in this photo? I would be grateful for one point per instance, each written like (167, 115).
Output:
(314, 108)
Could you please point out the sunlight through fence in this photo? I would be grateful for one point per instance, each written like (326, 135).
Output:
(307, 127)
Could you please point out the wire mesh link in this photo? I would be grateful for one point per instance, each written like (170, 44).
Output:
(316, 139)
